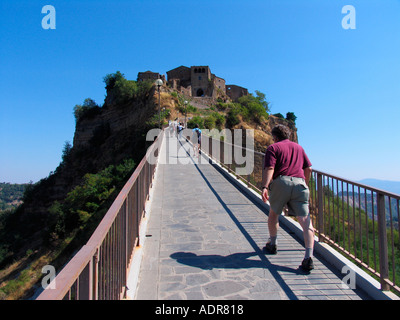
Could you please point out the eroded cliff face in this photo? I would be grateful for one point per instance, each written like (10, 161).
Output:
(115, 132)
(104, 136)
(109, 135)
(262, 131)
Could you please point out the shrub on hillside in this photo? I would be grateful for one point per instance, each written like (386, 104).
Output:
(232, 117)
(254, 108)
(89, 108)
(85, 199)
(195, 120)
(124, 90)
(209, 122)
(291, 117)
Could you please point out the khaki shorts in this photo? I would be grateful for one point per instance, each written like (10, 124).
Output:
(290, 191)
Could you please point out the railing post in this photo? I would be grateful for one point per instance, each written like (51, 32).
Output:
(320, 206)
(85, 284)
(383, 248)
(127, 246)
(95, 258)
(91, 278)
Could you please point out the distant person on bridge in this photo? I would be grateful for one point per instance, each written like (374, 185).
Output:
(286, 173)
(196, 140)
(180, 129)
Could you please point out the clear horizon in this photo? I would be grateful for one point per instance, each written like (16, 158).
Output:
(342, 84)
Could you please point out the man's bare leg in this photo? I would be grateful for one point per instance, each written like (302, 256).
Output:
(273, 223)
(308, 232)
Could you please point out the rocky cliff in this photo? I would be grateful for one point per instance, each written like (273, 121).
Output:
(262, 132)
(103, 136)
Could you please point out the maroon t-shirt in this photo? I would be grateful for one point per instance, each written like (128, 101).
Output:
(288, 159)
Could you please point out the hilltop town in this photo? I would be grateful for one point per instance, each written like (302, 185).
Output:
(197, 83)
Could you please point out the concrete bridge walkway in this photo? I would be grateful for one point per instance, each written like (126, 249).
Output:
(204, 241)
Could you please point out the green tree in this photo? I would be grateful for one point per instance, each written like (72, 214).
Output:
(195, 120)
(209, 122)
(291, 117)
(88, 108)
(219, 120)
(124, 90)
(144, 88)
(261, 99)
(279, 115)
(66, 153)
(85, 199)
(232, 117)
(111, 79)
(254, 107)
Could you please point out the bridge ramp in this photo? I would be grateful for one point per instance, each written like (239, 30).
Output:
(204, 241)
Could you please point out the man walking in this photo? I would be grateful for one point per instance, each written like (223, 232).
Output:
(286, 174)
(196, 140)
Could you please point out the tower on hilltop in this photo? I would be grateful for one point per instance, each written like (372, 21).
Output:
(199, 81)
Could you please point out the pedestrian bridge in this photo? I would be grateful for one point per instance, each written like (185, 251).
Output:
(189, 227)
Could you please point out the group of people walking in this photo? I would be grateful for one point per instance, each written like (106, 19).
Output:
(176, 129)
(285, 177)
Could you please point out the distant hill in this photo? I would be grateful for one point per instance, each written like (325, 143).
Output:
(11, 195)
(386, 185)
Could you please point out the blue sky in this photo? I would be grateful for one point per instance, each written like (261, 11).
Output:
(342, 84)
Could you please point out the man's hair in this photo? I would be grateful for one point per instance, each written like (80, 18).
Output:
(281, 132)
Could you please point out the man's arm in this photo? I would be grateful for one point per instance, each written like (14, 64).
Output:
(307, 174)
(267, 175)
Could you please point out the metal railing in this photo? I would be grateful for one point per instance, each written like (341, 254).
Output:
(359, 221)
(99, 270)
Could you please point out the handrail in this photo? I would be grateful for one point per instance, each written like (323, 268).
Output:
(99, 270)
(360, 222)
(363, 225)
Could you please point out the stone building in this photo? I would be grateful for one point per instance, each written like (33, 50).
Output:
(199, 81)
(235, 92)
(179, 77)
(149, 75)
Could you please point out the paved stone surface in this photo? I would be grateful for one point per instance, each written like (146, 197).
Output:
(204, 241)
